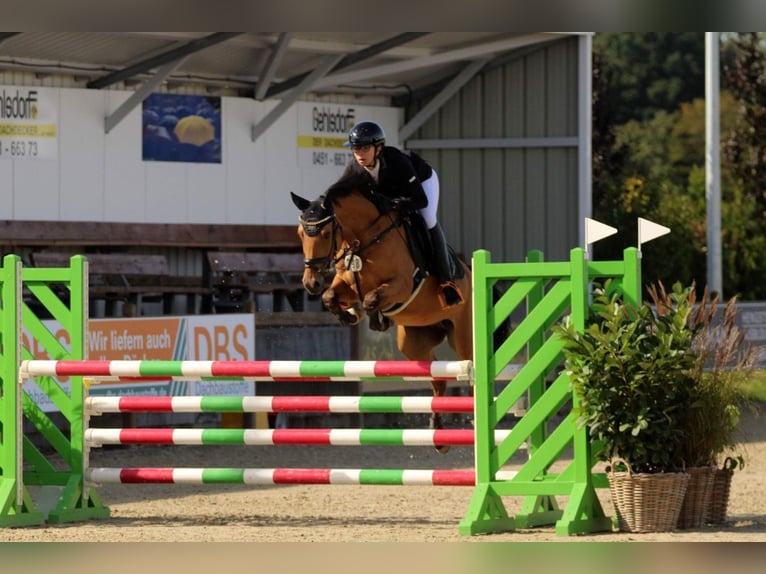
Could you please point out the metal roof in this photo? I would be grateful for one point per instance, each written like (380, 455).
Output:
(259, 64)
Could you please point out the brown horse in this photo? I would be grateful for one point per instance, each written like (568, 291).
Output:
(351, 228)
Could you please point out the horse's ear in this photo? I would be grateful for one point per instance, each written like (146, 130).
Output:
(300, 202)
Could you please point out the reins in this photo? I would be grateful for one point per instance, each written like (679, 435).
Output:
(352, 252)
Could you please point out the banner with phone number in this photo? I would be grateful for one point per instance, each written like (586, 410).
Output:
(28, 123)
(229, 337)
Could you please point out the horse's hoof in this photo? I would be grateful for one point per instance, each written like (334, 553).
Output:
(350, 317)
(379, 322)
(442, 448)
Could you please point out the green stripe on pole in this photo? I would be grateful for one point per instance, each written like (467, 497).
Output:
(223, 436)
(323, 368)
(223, 476)
(387, 437)
(222, 404)
(374, 476)
(161, 368)
(380, 404)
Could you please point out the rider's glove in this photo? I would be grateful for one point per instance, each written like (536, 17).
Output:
(400, 203)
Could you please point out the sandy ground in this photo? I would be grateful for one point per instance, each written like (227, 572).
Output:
(345, 513)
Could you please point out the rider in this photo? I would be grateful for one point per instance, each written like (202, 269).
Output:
(409, 182)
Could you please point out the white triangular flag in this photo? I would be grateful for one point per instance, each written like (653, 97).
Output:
(648, 230)
(596, 231)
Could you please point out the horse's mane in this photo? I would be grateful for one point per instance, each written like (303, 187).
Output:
(349, 182)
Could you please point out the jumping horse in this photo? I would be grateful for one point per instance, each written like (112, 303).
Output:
(354, 230)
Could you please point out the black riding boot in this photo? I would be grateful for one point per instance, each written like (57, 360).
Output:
(449, 293)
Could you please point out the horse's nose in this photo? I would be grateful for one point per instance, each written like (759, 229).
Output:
(312, 283)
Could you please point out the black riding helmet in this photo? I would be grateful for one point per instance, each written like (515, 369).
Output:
(365, 133)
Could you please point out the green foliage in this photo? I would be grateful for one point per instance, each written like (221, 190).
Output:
(724, 361)
(650, 71)
(631, 373)
(648, 155)
(754, 387)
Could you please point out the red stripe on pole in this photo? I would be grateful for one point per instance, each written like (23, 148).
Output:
(300, 404)
(240, 368)
(143, 436)
(452, 404)
(84, 368)
(402, 369)
(302, 378)
(301, 436)
(143, 379)
(456, 437)
(453, 477)
(148, 475)
(302, 476)
(146, 404)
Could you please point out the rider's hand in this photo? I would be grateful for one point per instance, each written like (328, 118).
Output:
(399, 203)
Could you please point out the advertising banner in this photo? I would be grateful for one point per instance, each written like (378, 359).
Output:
(229, 337)
(28, 123)
(184, 128)
(322, 129)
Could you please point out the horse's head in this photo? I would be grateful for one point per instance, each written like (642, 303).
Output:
(318, 233)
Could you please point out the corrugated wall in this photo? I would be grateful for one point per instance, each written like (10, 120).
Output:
(510, 200)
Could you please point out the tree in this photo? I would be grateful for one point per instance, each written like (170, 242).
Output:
(652, 165)
(649, 72)
(745, 147)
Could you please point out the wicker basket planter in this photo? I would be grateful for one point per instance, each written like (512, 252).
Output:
(646, 502)
(696, 505)
(719, 493)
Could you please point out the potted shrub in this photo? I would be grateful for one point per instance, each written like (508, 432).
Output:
(723, 361)
(631, 372)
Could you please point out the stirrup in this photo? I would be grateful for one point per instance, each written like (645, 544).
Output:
(449, 295)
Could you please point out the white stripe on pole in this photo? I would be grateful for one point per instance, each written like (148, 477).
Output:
(187, 436)
(285, 368)
(344, 476)
(355, 369)
(258, 476)
(343, 404)
(186, 404)
(187, 475)
(257, 404)
(345, 437)
(418, 477)
(197, 368)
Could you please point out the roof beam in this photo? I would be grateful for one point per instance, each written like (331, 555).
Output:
(441, 98)
(111, 121)
(5, 35)
(350, 59)
(469, 53)
(275, 58)
(161, 59)
(494, 143)
(327, 64)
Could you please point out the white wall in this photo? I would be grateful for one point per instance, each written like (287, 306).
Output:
(96, 176)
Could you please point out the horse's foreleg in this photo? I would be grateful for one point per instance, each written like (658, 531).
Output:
(340, 300)
(386, 295)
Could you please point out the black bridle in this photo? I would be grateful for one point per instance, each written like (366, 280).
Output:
(355, 248)
(312, 229)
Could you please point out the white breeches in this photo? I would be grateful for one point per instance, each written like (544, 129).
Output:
(431, 187)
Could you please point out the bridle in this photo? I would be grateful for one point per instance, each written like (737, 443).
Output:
(324, 263)
(312, 229)
(354, 248)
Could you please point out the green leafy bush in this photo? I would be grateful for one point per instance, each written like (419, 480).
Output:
(631, 371)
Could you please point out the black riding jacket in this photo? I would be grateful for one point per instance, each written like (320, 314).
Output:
(400, 175)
